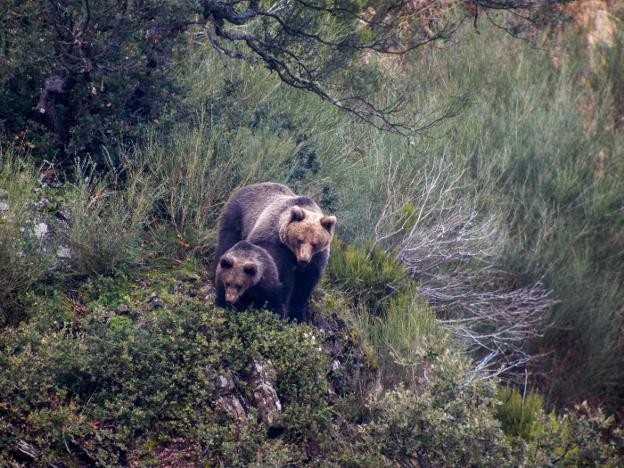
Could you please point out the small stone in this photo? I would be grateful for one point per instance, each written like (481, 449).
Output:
(27, 449)
(63, 215)
(267, 401)
(40, 230)
(41, 204)
(192, 278)
(4, 207)
(122, 309)
(63, 253)
(336, 365)
(232, 406)
(223, 381)
(154, 301)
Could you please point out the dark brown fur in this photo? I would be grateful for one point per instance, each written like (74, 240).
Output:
(246, 276)
(291, 228)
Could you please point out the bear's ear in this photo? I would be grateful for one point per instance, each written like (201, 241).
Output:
(226, 263)
(297, 214)
(329, 223)
(250, 269)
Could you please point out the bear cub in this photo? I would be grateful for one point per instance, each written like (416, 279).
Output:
(246, 276)
(292, 229)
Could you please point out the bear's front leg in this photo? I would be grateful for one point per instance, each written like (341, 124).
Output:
(306, 280)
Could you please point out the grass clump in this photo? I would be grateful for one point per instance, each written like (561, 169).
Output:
(366, 273)
(108, 220)
(24, 256)
(519, 413)
(400, 327)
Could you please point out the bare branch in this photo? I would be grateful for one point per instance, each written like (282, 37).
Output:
(456, 255)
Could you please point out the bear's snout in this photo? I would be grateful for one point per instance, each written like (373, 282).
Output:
(304, 255)
(231, 295)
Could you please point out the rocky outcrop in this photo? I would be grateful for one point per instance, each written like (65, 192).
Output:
(266, 399)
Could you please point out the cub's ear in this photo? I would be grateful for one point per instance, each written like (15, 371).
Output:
(297, 214)
(226, 263)
(329, 223)
(250, 269)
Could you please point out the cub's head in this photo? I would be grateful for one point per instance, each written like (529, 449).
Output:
(307, 233)
(237, 274)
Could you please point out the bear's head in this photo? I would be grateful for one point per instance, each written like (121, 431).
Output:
(237, 275)
(307, 233)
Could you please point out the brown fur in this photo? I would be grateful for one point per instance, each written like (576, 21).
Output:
(237, 275)
(246, 276)
(303, 236)
(291, 228)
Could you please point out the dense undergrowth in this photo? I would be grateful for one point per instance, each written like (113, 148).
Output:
(517, 198)
(144, 369)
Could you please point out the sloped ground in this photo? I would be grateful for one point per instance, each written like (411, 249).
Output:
(147, 370)
(144, 370)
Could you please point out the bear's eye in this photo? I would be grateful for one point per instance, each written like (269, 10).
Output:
(314, 245)
(226, 263)
(250, 270)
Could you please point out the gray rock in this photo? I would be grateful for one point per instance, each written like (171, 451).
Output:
(222, 381)
(265, 395)
(63, 253)
(155, 302)
(41, 204)
(123, 309)
(27, 449)
(230, 405)
(41, 230)
(192, 278)
(4, 207)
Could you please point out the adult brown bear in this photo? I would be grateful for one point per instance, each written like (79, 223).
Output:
(291, 228)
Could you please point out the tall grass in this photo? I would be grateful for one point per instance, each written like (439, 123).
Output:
(538, 147)
(531, 164)
(24, 258)
(108, 220)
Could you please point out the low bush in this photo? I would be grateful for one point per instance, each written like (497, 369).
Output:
(582, 436)
(24, 256)
(108, 221)
(518, 413)
(366, 273)
(424, 429)
(82, 385)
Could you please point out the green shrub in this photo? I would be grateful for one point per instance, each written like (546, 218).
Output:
(582, 436)
(367, 273)
(519, 414)
(108, 221)
(445, 423)
(111, 390)
(24, 258)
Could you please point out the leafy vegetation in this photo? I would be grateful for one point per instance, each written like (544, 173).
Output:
(488, 248)
(24, 259)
